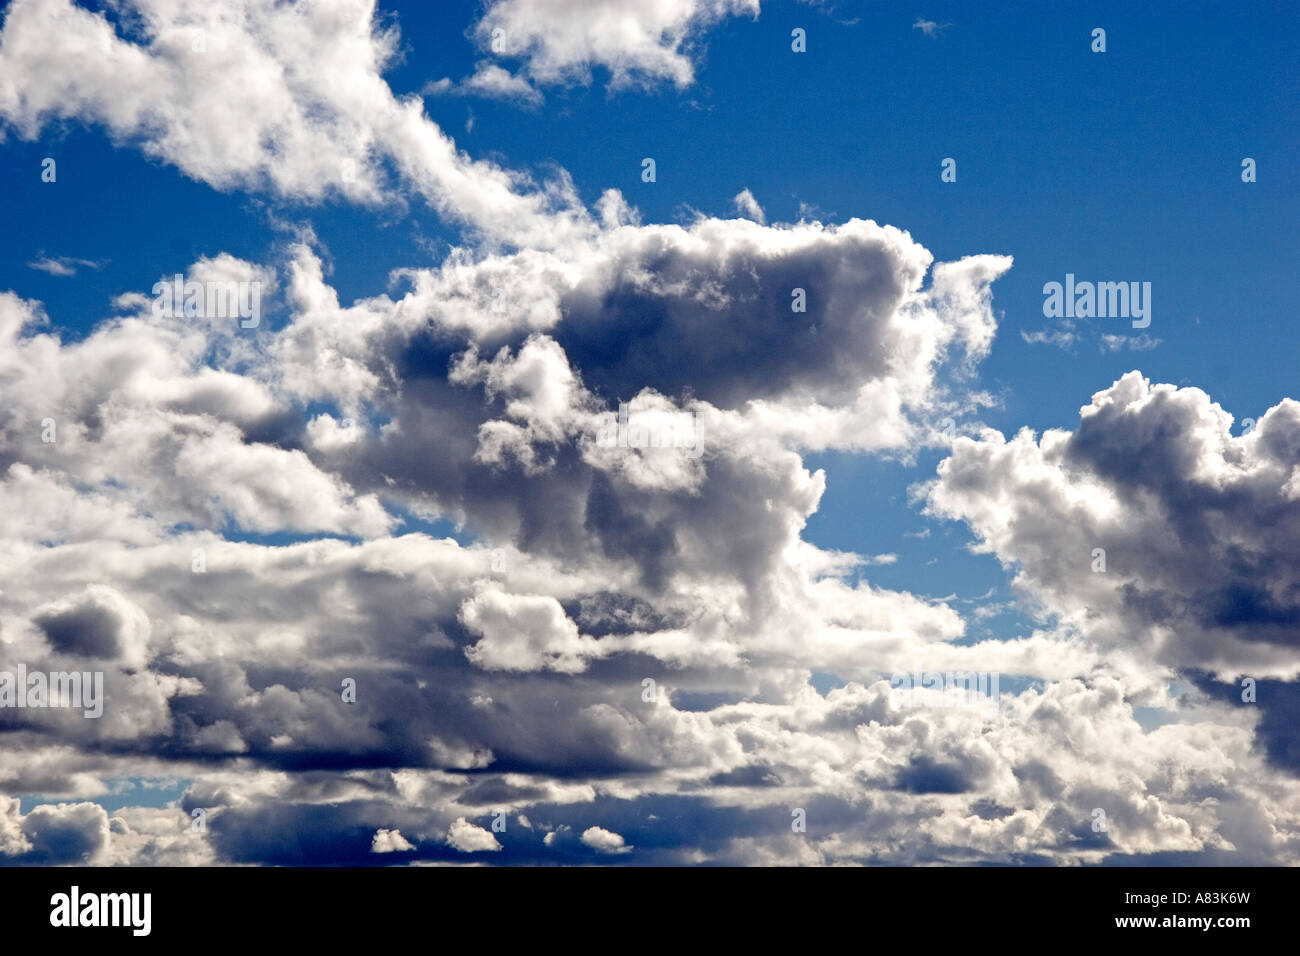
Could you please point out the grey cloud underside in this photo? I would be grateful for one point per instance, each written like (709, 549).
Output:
(718, 323)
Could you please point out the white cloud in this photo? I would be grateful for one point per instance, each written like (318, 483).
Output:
(748, 206)
(604, 841)
(1062, 338)
(639, 43)
(284, 98)
(524, 632)
(390, 841)
(929, 27)
(62, 265)
(488, 80)
(467, 838)
(1135, 343)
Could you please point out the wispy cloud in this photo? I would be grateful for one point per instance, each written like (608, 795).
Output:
(929, 27)
(1134, 343)
(63, 265)
(490, 81)
(748, 206)
(1062, 338)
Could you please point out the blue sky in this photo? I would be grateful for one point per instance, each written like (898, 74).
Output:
(1123, 165)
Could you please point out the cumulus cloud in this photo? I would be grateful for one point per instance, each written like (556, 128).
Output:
(524, 656)
(1196, 524)
(1150, 529)
(390, 841)
(100, 623)
(603, 841)
(64, 833)
(467, 838)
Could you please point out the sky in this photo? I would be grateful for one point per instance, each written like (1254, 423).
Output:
(390, 473)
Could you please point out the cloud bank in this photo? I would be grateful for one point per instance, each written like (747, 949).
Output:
(615, 655)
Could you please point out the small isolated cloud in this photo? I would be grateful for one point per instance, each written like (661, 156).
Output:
(986, 611)
(748, 207)
(466, 837)
(882, 559)
(62, 265)
(489, 80)
(604, 841)
(811, 212)
(929, 27)
(1062, 338)
(1134, 343)
(390, 841)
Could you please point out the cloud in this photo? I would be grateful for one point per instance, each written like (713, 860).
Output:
(100, 624)
(523, 632)
(285, 99)
(63, 265)
(748, 206)
(929, 27)
(1151, 529)
(467, 838)
(1135, 343)
(603, 841)
(64, 834)
(1153, 476)
(488, 80)
(614, 562)
(638, 43)
(1062, 338)
(518, 662)
(619, 643)
(261, 641)
(390, 841)
(1066, 335)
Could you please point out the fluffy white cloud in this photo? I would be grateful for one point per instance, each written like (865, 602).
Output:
(639, 43)
(263, 95)
(390, 841)
(603, 841)
(523, 633)
(467, 838)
